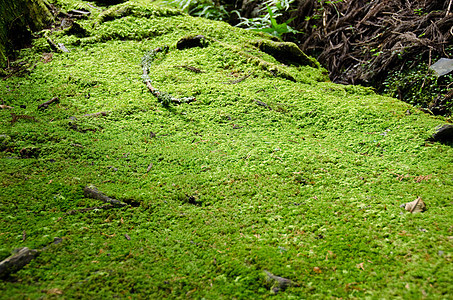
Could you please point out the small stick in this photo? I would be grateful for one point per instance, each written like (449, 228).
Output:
(448, 9)
(149, 167)
(260, 103)
(25, 117)
(17, 261)
(58, 47)
(21, 257)
(101, 113)
(62, 47)
(46, 104)
(240, 79)
(190, 68)
(280, 283)
(91, 191)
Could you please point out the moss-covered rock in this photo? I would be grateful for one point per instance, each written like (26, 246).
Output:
(286, 52)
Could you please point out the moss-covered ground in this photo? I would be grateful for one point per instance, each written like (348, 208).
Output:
(308, 187)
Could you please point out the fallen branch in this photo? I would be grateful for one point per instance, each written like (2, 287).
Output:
(101, 113)
(448, 9)
(260, 103)
(280, 283)
(58, 47)
(162, 97)
(90, 191)
(190, 68)
(46, 104)
(17, 261)
(62, 47)
(77, 13)
(20, 258)
(239, 80)
(17, 117)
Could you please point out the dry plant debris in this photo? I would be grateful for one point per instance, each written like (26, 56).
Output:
(415, 206)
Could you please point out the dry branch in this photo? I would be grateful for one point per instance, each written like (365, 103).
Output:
(280, 283)
(162, 97)
(15, 117)
(101, 113)
(240, 79)
(46, 104)
(21, 257)
(190, 68)
(17, 261)
(90, 191)
(386, 32)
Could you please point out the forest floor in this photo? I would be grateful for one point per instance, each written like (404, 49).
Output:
(272, 169)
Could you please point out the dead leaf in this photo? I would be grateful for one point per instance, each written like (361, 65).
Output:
(47, 57)
(6, 107)
(415, 206)
(352, 286)
(54, 291)
(127, 237)
(360, 266)
(330, 253)
(317, 270)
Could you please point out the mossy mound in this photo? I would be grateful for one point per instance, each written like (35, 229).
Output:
(272, 168)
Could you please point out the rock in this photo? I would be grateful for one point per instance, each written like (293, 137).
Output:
(443, 133)
(414, 206)
(443, 66)
(286, 52)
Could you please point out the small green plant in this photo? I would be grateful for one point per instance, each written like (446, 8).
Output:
(201, 8)
(420, 87)
(418, 11)
(268, 22)
(275, 28)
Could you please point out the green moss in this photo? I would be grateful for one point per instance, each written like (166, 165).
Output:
(286, 52)
(136, 9)
(307, 186)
